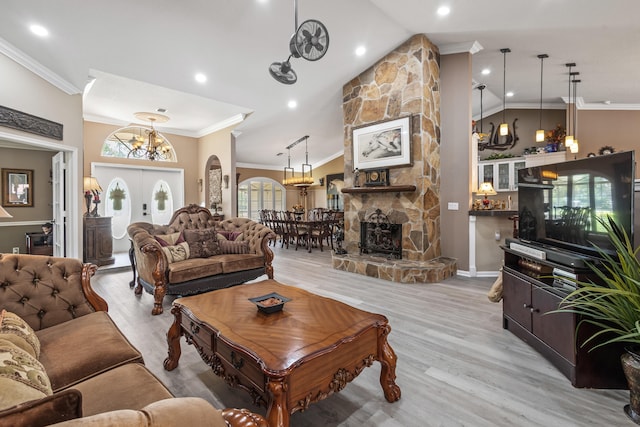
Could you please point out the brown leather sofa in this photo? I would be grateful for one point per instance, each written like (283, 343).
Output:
(244, 254)
(67, 362)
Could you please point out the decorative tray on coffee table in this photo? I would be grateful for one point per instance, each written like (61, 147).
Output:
(270, 303)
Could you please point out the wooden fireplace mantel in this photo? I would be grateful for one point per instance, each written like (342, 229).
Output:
(380, 189)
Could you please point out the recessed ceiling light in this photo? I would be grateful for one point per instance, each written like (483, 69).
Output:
(486, 71)
(443, 10)
(292, 104)
(361, 50)
(201, 78)
(509, 94)
(39, 30)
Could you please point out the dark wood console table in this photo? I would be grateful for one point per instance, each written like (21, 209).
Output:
(98, 241)
(527, 297)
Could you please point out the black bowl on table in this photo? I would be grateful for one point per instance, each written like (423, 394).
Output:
(270, 303)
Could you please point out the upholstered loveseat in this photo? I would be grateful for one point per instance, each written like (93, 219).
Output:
(63, 360)
(196, 253)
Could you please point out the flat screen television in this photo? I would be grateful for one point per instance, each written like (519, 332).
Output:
(558, 204)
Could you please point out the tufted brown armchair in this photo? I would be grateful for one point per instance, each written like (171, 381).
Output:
(46, 291)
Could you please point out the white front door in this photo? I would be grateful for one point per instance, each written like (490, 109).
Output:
(132, 194)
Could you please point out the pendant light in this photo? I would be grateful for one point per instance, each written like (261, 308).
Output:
(568, 139)
(574, 147)
(288, 171)
(504, 127)
(540, 132)
(481, 87)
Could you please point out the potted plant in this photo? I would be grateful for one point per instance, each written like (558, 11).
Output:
(612, 304)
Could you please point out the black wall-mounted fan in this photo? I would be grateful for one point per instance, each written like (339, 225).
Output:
(310, 41)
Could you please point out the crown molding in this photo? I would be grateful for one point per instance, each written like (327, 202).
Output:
(37, 68)
(471, 47)
(231, 121)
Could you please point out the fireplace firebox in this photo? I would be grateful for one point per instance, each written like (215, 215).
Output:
(379, 236)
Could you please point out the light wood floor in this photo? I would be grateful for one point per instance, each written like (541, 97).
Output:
(456, 365)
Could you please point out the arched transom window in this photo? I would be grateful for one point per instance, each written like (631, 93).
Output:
(137, 142)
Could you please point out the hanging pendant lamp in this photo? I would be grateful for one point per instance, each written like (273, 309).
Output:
(574, 147)
(540, 132)
(504, 127)
(568, 139)
(289, 173)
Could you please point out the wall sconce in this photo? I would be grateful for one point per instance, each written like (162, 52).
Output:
(225, 178)
(200, 185)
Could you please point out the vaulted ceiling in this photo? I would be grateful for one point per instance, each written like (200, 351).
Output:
(143, 55)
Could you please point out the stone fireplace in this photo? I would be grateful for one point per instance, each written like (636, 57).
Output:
(403, 83)
(378, 235)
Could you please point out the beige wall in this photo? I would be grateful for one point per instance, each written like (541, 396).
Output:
(222, 145)
(455, 155)
(24, 91)
(619, 129)
(40, 163)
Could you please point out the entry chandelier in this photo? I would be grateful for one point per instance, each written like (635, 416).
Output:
(154, 147)
(306, 177)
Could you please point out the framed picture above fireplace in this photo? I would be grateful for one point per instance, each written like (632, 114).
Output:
(382, 144)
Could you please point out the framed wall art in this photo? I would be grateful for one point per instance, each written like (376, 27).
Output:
(17, 188)
(382, 144)
(335, 184)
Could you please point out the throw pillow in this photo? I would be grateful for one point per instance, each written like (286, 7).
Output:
(170, 239)
(14, 329)
(22, 377)
(202, 243)
(176, 253)
(230, 235)
(234, 247)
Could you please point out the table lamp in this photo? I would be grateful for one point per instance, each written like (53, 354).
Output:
(91, 191)
(486, 188)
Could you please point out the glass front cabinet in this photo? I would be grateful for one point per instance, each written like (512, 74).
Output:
(503, 173)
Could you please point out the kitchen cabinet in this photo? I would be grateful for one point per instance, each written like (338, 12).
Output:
(502, 173)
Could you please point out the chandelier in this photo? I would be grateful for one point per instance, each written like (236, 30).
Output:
(154, 146)
(306, 177)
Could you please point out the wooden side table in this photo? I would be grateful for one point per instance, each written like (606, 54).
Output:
(98, 240)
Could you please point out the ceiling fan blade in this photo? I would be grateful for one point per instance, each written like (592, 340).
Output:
(282, 72)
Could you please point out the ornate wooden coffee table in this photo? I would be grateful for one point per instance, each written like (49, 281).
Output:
(288, 359)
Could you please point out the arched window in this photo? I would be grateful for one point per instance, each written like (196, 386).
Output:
(255, 194)
(136, 142)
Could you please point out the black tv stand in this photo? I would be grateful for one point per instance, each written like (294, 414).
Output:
(529, 292)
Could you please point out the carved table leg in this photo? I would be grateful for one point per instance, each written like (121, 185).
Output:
(278, 412)
(173, 340)
(387, 359)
